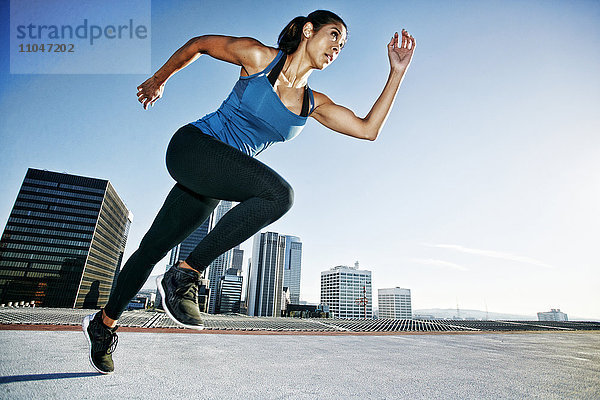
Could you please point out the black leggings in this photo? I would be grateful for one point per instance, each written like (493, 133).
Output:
(206, 170)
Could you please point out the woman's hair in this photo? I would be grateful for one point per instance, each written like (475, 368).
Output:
(290, 37)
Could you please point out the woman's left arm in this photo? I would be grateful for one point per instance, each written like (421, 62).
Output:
(343, 120)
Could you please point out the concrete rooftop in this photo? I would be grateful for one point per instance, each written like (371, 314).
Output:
(149, 365)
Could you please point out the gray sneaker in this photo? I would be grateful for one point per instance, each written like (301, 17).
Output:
(179, 290)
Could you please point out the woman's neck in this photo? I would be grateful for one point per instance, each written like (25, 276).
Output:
(297, 69)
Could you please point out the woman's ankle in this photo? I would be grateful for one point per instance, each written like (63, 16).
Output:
(111, 323)
(185, 265)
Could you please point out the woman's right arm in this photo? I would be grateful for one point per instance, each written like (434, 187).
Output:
(248, 53)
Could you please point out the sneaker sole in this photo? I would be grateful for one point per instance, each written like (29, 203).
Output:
(85, 324)
(164, 304)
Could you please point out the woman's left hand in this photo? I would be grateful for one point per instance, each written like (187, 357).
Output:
(400, 51)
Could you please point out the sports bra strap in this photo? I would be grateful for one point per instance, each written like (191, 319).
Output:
(311, 100)
(274, 74)
(305, 103)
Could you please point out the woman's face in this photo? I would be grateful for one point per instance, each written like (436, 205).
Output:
(324, 45)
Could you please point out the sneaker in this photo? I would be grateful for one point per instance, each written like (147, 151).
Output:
(179, 291)
(103, 342)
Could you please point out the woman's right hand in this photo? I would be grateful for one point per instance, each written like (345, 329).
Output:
(150, 91)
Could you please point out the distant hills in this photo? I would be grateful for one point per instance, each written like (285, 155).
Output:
(478, 314)
(450, 313)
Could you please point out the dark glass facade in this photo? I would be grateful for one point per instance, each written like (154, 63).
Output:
(230, 294)
(63, 242)
(238, 258)
(265, 282)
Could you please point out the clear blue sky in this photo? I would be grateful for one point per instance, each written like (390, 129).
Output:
(482, 189)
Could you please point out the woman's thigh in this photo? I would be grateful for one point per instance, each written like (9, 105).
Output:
(214, 169)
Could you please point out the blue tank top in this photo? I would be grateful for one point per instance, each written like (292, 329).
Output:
(253, 117)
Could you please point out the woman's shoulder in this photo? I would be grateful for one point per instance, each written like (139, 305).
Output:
(320, 98)
(258, 56)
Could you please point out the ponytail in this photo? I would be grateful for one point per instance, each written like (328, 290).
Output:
(291, 36)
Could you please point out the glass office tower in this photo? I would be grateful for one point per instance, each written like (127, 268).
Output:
(230, 293)
(63, 243)
(265, 276)
(292, 267)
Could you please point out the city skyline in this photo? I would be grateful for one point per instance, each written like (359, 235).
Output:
(481, 190)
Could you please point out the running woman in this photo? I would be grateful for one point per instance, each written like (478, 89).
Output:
(212, 159)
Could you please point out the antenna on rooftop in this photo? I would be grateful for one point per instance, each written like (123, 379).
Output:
(356, 264)
(457, 309)
(363, 300)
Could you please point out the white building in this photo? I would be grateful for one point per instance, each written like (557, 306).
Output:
(347, 292)
(394, 303)
(552, 315)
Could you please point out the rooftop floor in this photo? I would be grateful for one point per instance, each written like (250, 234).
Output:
(532, 365)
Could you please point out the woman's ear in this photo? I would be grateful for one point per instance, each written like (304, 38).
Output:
(307, 30)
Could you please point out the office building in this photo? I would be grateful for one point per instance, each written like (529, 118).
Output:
(265, 275)
(292, 266)
(237, 259)
(285, 298)
(230, 293)
(64, 241)
(394, 303)
(347, 292)
(217, 268)
(553, 315)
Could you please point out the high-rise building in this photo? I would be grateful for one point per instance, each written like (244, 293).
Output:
(217, 268)
(230, 293)
(237, 259)
(347, 292)
(265, 275)
(553, 315)
(64, 240)
(292, 266)
(394, 303)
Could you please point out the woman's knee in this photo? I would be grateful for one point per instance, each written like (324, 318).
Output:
(283, 197)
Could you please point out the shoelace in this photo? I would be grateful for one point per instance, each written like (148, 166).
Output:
(113, 343)
(108, 342)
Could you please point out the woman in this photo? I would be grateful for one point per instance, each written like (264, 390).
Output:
(212, 159)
